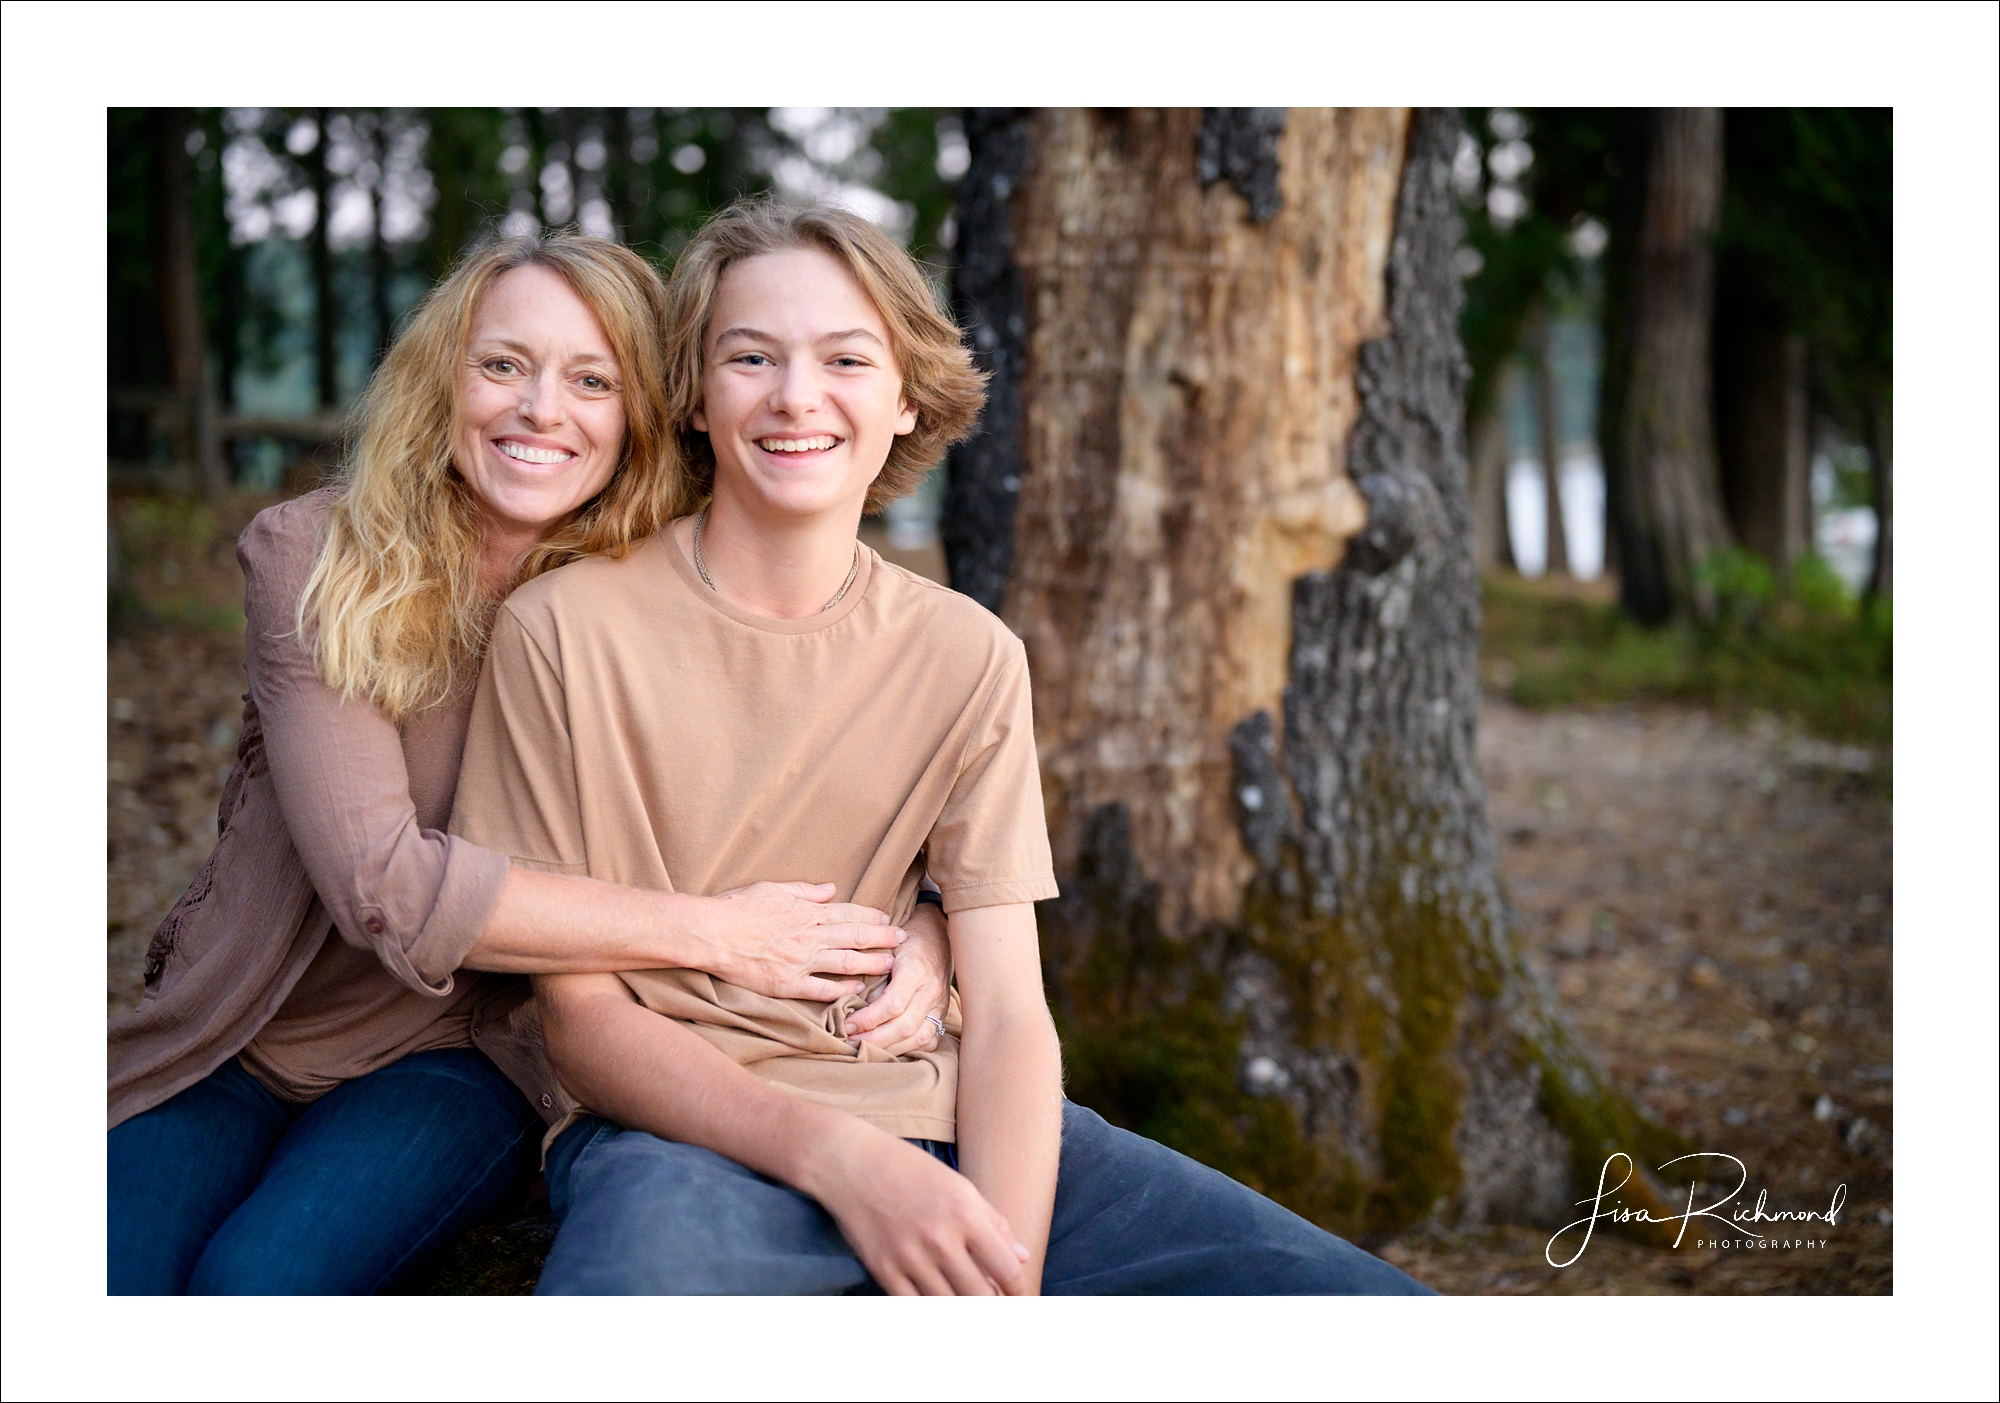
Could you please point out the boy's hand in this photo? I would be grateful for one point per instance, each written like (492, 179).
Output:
(898, 1018)
(920, 1228)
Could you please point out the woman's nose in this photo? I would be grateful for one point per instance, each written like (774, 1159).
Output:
(542, 400)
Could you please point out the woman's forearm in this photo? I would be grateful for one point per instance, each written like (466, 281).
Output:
(548, 923)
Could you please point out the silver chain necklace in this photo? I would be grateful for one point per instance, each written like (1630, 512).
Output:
(702, 569)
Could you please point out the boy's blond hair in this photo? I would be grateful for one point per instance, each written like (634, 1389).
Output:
(939, 381)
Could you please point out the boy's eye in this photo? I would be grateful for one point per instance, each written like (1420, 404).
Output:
(849, 362)
(753, 358)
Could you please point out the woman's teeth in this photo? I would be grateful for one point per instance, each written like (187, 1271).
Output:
(797, 445)
(525, 454)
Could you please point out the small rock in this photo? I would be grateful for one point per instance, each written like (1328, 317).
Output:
(1825, 1109)
(1704, 975)
(1735, 1115)
(1859, 1133)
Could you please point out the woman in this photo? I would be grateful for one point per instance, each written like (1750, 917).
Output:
(291, 1112)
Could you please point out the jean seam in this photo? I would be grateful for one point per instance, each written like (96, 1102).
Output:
(418, 1246)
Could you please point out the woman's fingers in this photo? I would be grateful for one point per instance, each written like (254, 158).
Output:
(908, 1032)
(823, 990)
(806, 891)
(846, 915)
(891, 1001)
(838, 957)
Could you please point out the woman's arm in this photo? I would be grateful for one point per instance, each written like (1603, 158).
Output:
(776, 938)
(416, 897)
(917, 1226)
(1009, 1072)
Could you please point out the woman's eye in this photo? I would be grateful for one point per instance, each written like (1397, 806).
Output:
(596, 382)
(502, 366)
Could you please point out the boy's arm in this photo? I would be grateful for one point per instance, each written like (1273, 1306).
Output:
(1009, 1072)
(916, 1226)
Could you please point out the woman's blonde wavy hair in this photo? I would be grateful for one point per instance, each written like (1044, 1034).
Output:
(939, 381)
(394, 610)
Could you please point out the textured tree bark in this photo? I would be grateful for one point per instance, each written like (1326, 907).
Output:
(1669, 504)
(1242, 565)
(1549, 432)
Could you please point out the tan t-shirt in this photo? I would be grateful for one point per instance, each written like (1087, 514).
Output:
(634, 726)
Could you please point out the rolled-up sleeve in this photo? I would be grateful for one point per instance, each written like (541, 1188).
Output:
(417, 897)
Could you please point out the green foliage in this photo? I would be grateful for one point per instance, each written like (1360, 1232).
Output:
(1808, 208)
(1742, 583)
(1814, 657)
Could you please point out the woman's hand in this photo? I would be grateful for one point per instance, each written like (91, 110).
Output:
(920, 1228)
(783, 939)
(898, 1018)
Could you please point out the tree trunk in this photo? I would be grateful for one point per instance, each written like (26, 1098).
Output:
(1492, 546)
(380, 268)
(1763, 425)
(1880, 470)
(538, 160)
(618, 171)
(326, 315)
(177, 285)
(1229, 402)
(1669, 500)
(1548, 429)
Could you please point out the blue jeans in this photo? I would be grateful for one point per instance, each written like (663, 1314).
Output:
(645, 1216)
(225, 1189)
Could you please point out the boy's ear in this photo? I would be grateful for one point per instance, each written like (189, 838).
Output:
(906, 417)
(699, 420)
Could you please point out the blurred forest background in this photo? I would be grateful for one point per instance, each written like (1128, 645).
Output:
(1685, 729)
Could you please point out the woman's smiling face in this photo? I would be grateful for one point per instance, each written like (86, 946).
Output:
(801, 395)
(541, 420)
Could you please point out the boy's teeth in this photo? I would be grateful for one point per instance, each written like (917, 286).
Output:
(796, 445)
(526, 454)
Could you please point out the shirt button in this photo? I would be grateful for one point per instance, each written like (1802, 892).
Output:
(374, 925)
(547, 1100)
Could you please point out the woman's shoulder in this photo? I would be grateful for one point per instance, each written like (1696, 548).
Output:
(289, 531)
(277, 549)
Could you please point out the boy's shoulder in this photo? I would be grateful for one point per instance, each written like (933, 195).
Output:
(946, 619)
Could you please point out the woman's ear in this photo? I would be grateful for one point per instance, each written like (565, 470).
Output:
(906, 417)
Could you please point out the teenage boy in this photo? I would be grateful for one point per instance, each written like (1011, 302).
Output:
(751, 695)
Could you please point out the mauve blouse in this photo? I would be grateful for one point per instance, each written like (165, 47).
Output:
(332, 822)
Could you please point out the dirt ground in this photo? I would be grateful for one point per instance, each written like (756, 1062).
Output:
(1710, 903)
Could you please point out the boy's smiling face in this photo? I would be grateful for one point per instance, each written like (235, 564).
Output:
(801, 395)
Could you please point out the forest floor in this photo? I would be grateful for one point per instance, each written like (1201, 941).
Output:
(1707, 892)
